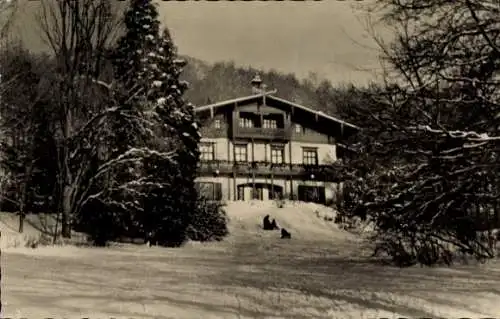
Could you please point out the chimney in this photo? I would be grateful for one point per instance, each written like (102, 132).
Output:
(256, 84)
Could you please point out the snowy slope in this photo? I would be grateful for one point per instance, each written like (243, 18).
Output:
(37, 229)
(320, 273)
(305, 221)
(34, 227)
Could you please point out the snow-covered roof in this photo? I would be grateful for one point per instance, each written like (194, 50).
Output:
(269, 96)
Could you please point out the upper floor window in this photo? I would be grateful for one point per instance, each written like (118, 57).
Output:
(240, 153)
(298, 128)
(217, 123)
(270, 124)
(207, 151)
(246, 122)
(310, 156)
(277, 153)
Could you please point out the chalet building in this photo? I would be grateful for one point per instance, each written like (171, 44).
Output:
(263, 147)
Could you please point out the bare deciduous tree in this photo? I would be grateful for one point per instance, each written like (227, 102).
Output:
(433, 131)
(20, 108)
(79, 34)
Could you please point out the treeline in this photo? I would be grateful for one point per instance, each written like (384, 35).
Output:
(211, 83)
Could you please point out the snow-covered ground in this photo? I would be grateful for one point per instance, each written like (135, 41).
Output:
(320, 273)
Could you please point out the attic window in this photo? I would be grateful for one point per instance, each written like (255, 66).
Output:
(246, 122)
(298, 128)
(217, 123)
(270, 124)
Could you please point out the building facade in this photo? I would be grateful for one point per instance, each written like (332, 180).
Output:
(263, 147)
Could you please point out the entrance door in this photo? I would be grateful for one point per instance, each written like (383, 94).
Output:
(275, 192)
(259, 191)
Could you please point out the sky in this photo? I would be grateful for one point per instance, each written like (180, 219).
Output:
(328, 37)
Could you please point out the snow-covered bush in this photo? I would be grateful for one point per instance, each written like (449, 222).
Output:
(208, 223)
(280, 202)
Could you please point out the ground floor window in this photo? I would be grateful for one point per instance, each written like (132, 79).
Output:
(241, 193)
(276, 192)
(314, 194)
(209, 190)
(259, 191)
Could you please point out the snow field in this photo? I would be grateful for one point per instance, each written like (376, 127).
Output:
(322, 272)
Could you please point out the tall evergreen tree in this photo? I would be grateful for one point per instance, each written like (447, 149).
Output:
(129, 59)
(180, 132)
(147, 65)
(131, 55)
(140, 39)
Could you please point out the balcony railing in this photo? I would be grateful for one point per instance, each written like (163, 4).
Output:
(318, 172)
(261, 133)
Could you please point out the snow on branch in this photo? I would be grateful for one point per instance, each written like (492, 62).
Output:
(133, 155)
(470, 135)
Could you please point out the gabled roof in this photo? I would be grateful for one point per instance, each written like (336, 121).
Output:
(270, 96)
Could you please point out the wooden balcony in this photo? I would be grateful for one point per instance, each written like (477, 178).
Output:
(299, 171)
(262, 133)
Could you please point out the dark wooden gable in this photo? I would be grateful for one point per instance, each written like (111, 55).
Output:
(306, 124)
(312, 127)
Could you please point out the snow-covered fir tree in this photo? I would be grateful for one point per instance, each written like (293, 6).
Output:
(126, 200)
(147, 65)
(140, 39)
(179, 131)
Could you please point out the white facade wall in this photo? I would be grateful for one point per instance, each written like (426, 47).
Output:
(262, 151)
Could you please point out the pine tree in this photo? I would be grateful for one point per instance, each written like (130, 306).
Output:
(147, 65)
(129, 59)
(180, 131)
(122, 208)
(141, 38)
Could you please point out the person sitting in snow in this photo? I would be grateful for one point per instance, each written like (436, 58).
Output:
(285, 234)
(274, 225)
(266, 223)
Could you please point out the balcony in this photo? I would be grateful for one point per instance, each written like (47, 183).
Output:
(261, 133)
(300, 171)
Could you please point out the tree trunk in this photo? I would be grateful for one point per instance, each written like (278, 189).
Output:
(21, 220)
(66, 212)
(22, 204)
(0, 279)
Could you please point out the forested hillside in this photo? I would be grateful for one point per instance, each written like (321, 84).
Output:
(210, 83)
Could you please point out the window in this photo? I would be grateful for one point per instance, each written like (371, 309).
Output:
(207, 151)
(310, 156)
(217, 123)
(246, 122)
(270, 124)
(298, 128)
(258, 193)
(277, 153)
(314, 194)
(240, 153)
(241, 193)
(209, 190)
